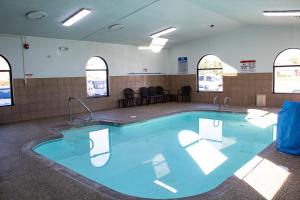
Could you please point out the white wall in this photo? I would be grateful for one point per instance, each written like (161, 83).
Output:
(10, 48)
(260, 43)
(44, 60)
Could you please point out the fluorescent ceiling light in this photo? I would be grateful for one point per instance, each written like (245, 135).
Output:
(163, 32)
(76, 17)
(282, 13)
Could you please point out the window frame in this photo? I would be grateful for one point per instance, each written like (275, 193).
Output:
(107, 78)
(274, 67)
(11, 82)
(208, 69)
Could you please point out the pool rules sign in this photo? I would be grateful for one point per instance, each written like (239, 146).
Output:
(248, 66)
(182, 65)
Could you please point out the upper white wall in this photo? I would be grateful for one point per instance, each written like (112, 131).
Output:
(44, 59)
(260, 43)
(10, 48)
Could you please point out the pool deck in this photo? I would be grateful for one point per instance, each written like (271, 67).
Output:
(23, 176)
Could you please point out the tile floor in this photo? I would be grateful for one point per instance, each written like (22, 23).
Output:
(25, 177)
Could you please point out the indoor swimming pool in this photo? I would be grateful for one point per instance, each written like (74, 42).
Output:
(174, 156)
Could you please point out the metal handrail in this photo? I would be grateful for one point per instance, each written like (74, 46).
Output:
(227, 101)
(215, 102)
(81, 103)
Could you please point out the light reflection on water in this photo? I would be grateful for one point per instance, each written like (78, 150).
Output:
(169, 157)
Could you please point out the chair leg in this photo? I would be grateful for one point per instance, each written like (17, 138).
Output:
(142, 101)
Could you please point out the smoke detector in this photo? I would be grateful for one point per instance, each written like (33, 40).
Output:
(36, 15)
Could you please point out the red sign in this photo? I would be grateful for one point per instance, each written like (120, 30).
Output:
(248, 61)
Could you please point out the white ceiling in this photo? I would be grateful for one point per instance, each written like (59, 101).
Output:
(140, 17)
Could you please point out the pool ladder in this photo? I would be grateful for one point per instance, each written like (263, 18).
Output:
(71, 119)
(217, 98)
(227, 102)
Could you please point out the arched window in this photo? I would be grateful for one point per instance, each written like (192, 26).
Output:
(210, 74)
(286, 72)
(97, 77)
(6, 93)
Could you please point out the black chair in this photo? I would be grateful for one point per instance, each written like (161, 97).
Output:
(162, 96)
(130, 99)
(152, 96)
(185, 93)
(143, 91)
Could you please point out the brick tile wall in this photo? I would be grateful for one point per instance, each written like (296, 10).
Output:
(242, 88)
(47, 97)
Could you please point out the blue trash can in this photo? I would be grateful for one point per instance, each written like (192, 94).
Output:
(288, 128)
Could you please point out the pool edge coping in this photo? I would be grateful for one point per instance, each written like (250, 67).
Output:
(104, 191)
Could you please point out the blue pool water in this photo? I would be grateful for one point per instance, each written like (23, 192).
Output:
(169, 157)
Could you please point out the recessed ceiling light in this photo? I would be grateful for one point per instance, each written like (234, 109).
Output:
(36, 15)
(76, 17)
(163, 32)
(282, 13)
(116, 27)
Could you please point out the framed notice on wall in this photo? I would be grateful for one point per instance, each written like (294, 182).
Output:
(182, 65)
(248, 66)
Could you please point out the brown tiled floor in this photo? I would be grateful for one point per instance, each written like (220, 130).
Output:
(25, 177)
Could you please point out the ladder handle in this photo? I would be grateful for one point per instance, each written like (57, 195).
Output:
(81, 103)
(227, 103)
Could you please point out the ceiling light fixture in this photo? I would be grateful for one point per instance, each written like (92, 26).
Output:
(282, 13)
(76, 17)
(163, 32)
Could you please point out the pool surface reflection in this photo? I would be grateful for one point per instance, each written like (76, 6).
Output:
(174, 156)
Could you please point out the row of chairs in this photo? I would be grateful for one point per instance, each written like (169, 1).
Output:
(153, 95)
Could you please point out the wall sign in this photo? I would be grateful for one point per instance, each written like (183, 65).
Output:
(182, 65)
(248, 66)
